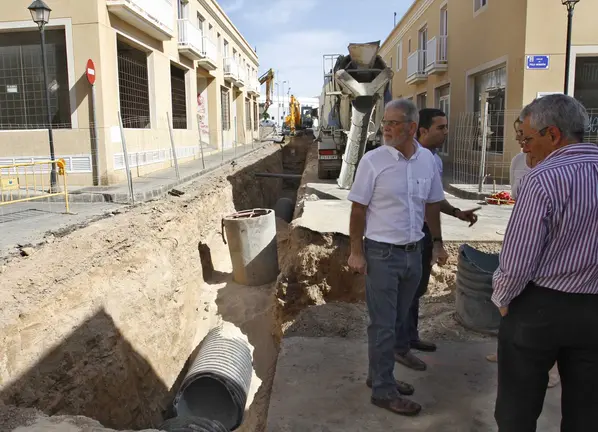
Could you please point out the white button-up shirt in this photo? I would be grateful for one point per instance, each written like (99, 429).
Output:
(396, 190)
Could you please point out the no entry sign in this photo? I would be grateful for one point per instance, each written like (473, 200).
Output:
(91, 72)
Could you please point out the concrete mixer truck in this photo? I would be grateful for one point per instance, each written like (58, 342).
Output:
(355, 89)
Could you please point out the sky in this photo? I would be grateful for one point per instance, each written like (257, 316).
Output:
(291, 36)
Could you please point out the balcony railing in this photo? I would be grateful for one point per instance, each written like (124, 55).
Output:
(190, 39)
(437, 55)
(416, 67)
(253, 86)
(242, 77)
(210, 51)
(230, 68)
(154, 17)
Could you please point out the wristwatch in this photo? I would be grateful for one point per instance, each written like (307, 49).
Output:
(455, 211)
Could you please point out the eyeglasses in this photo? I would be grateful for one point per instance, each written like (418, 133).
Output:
(525, 140)
(392, 123)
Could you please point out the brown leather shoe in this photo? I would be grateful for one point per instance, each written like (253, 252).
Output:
(421, 345)
(398, 405)
(402, 387)
(411, 361)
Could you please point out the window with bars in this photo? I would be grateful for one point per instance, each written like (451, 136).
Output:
(225, 108)
(179, 98)
(22, 93)
(247, 114)
(133, 87)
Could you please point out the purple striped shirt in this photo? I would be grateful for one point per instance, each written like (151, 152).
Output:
(552, 236)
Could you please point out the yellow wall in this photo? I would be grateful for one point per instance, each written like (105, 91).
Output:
(95, 31)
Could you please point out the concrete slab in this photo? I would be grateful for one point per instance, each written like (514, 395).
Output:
(320, 387)
(332, 216)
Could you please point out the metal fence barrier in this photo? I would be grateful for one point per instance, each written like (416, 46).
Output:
(30, 181)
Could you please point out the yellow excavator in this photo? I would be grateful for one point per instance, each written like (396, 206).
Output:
(268, 79)
(293, 120)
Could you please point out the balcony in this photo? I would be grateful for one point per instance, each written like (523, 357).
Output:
(230, 69)
(416, 67)
(153, 17)
(209, 58)
(437, 60)
(253, 87)
(190, 40)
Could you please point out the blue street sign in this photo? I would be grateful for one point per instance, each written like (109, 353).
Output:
(537, 61)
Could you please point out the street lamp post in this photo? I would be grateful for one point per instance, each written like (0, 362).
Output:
(570, 7)
(40, 13)
(277, 104)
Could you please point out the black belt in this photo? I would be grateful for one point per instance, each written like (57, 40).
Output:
(406, 247)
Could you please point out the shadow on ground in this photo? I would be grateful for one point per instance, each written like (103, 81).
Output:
(95, 372)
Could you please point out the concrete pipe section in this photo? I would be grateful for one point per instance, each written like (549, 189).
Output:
(251, 236)
(475, 309)
(216, 385)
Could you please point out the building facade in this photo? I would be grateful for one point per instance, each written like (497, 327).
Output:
(464, 55)
(176, 67)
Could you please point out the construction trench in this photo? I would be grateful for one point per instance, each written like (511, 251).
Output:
(99, 326)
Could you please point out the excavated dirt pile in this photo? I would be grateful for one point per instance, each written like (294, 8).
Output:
(101, 322)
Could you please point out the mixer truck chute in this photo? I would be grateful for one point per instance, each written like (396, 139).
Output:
(351, 109)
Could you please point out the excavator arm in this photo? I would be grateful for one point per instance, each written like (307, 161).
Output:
(268, 79)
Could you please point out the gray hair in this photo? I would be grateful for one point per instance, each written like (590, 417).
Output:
(406, 106)
(562, 111)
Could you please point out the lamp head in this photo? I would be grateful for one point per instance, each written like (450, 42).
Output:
(40, 13)
(570, 3)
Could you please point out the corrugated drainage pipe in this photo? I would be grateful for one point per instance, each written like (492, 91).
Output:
(475, 309)
(218, 379)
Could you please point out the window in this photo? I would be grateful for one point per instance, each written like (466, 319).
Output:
(479, 4)
(179, 98)
(183, 9)
(400, 56)
(201, 23)
(444, 102)
(219, 40)
(443, 40)
(133, 87)
(247, 114)
(409, 43)
(225, 48)
(22, 95)
(225, 108)
(422, 100)
(490, 86)
(423, 47)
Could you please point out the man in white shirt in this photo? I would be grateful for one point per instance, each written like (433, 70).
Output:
(395, 186)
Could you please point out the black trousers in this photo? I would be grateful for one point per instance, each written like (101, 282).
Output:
(545, 326)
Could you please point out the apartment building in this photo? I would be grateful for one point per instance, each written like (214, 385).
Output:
(459, 54)
(164, 65)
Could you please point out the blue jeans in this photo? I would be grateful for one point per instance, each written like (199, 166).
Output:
(409, 332)
(392, 280)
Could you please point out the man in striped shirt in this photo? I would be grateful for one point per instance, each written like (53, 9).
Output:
(547, 283)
